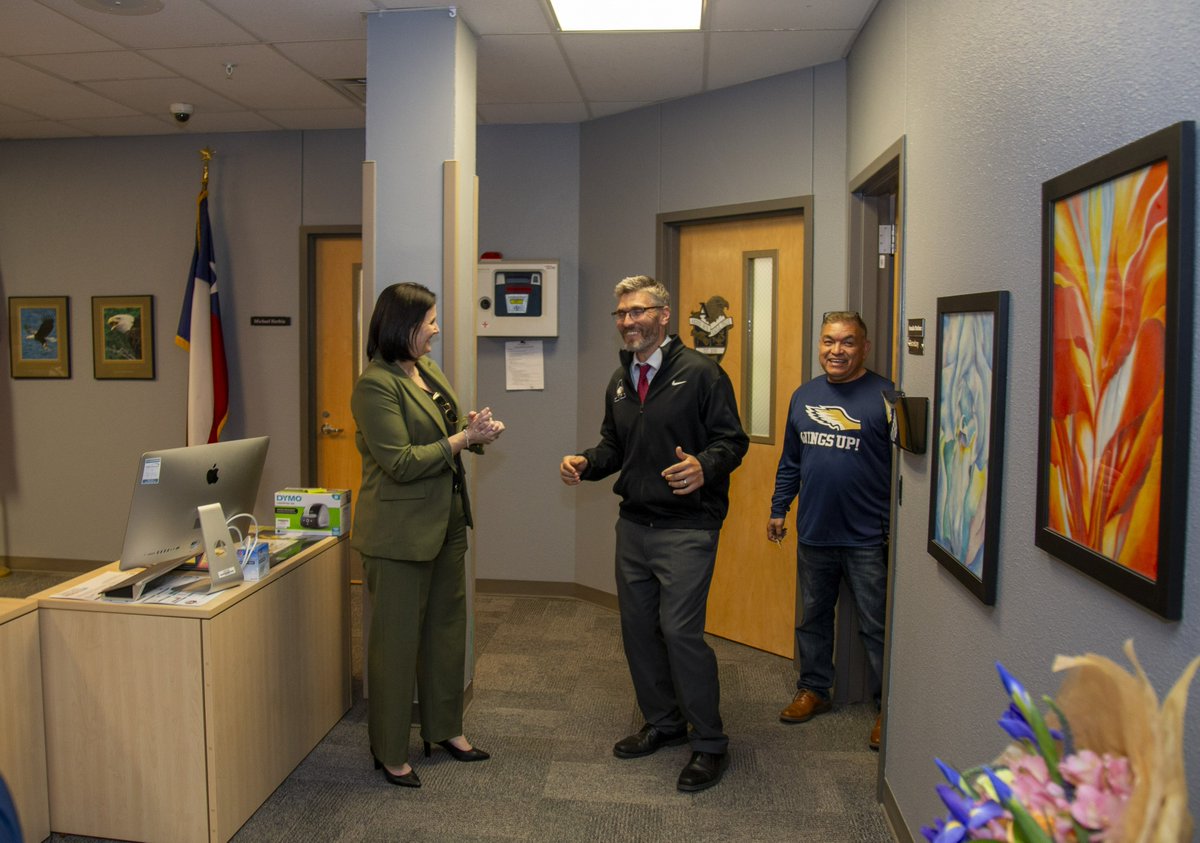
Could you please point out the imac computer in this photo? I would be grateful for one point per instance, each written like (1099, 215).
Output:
(171, 514)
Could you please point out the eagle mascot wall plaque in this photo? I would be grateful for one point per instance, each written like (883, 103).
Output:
(710, 327)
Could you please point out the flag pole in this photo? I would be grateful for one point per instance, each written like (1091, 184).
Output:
(206, 155)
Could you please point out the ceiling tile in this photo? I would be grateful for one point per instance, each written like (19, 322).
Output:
(736, 57)
(82, 67)
(299, 20)
(180, 23)
(544, 112)
(329, 59)
(40, 129)
(324, 118)
(523, 68)
(138, 124)
(154, 96)
(607, 109)
(493, 17)
(735, 15)
(43, 95)
(637, 66)
(29, 28)
(261, 78)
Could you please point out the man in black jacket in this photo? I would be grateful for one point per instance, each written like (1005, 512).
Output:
(671, 429)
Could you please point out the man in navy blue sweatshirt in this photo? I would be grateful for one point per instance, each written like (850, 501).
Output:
(671, 429)
(837, 457)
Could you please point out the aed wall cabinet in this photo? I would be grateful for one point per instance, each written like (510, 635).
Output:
(517, 298)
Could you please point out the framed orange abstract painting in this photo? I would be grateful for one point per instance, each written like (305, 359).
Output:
(1116, 367)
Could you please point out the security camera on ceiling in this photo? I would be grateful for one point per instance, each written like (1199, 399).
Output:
(181, 111)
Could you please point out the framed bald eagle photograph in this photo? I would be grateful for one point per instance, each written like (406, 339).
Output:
(123, 337)
(968, 437)
(39, 336)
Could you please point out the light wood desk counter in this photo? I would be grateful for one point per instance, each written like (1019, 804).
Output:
(22, 725)
(176, 723)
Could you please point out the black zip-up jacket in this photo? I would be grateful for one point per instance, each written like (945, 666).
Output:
(690, 404)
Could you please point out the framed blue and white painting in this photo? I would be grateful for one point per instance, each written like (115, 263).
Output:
(968, 437)
(39, 337)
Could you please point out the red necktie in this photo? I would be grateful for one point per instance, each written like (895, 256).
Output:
(643, 381)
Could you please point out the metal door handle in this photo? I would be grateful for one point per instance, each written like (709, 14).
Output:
(330, 430)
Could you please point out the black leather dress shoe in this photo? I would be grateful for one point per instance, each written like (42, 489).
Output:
(648, 740)
(703, 771)
(472, 754)
(408, 779)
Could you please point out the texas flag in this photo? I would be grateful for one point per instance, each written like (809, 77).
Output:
(200, 335)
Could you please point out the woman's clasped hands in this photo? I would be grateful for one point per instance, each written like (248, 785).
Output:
(482, 428)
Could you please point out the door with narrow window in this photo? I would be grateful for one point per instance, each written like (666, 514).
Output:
(337, 295)
(740, 299)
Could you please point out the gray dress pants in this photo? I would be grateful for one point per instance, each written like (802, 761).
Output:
(663, 577)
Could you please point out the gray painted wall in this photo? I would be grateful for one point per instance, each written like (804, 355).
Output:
(993, 100)
(529, 208)
(777, 137)
(116, 216)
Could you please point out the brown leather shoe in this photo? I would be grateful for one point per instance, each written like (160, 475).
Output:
(807, 705)
(873, 740)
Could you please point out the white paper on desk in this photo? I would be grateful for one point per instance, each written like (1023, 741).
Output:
(90, 589)
(524, 365)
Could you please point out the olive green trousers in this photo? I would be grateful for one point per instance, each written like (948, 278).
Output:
(418, 635)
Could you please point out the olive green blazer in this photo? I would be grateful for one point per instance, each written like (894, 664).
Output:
(408, 468)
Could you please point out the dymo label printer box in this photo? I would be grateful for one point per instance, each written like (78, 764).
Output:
(312, 513)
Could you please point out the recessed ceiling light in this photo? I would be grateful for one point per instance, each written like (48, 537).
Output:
(627, 15)
(123, 7)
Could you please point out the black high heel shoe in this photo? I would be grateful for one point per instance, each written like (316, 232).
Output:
(409, 779)
(473, 754)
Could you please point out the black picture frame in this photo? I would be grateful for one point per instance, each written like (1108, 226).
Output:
(970, 391)
(1113, 437)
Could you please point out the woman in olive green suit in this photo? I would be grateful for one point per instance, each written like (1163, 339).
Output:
(411, 529)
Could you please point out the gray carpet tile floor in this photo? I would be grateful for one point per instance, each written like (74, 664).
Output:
(551, 695)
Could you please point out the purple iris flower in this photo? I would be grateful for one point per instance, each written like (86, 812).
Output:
(945, 832)
(1012, 687)
(1014, 722)
(1003, 792)
(953, 776)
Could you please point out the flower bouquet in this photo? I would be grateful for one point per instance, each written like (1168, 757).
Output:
(1103, 763)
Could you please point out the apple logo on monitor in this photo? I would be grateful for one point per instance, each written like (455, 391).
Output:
(212, 475)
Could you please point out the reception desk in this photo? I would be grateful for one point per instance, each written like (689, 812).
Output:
(22, 727)
(176, 723)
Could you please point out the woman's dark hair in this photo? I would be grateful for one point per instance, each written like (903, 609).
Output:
(399, 312)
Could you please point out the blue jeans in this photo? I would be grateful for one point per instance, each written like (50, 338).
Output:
(819, 578)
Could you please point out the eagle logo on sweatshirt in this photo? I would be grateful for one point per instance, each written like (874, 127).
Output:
(833, 417)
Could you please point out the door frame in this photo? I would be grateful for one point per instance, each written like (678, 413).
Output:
(870, 291)
(309, 236)
(875, 291)
(667, 247)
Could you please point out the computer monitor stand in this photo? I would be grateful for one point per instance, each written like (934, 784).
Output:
(220, 549)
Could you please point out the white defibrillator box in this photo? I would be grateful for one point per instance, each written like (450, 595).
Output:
(517, 298)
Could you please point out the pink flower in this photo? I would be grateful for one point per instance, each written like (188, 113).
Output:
(1118, 774)
(1083, 768)
(1097, 810)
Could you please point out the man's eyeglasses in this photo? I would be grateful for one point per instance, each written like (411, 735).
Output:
(635, 312)
(445, 406)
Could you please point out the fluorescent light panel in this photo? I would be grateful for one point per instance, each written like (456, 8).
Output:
(627, 15)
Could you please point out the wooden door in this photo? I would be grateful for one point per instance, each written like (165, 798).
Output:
(753, 271)
(338, 348)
